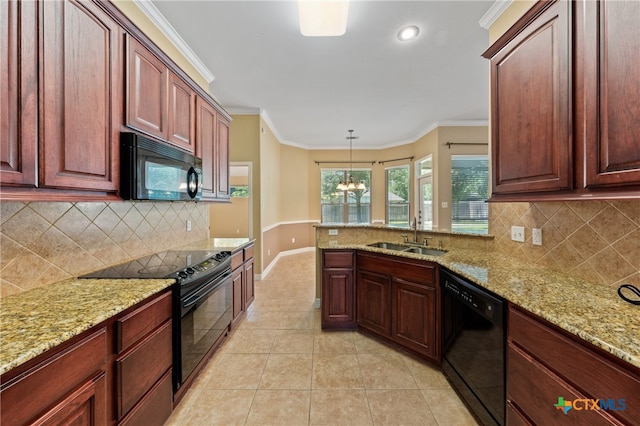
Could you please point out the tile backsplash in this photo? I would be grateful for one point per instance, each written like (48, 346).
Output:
(45, 242)
(595, 240)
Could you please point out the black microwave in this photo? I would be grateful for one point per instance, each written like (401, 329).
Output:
(151, 170)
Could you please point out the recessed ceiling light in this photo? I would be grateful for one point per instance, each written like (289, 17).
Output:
(323, 18)
(408, 33)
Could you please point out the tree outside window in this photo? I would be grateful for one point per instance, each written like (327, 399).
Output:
(344, 206)
(398, 196)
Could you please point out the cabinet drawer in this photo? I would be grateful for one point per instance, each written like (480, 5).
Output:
(51, 380)
(141, 367)
(534, 389)
(237, 259)
(248, 253)
(139, 323)
(416, 271)
(156, 406)
(585, 369)
(337, 259)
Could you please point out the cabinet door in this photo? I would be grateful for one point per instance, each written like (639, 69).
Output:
(85, 406)
(414, 316)
(81, 90)
(238, 307)
(181, 113)
(338, 299)
(147, 89)
(531, 106)
(222, 159)
(249, 285)
(373, 302)
(608, 94)
(18, 93)
(206, 120)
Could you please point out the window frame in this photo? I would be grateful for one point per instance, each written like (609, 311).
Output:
(345, 197)
(389, 203)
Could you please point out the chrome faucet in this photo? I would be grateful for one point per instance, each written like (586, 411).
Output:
(415, 224)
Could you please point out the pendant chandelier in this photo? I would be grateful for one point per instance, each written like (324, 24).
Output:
(350, 185)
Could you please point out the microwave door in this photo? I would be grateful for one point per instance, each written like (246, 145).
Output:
(164, 180)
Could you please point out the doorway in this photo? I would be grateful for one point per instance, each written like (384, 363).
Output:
(234, 219)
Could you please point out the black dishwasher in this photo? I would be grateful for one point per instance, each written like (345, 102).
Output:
(473, 346)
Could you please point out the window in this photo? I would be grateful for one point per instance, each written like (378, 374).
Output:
(344, 206)
(424, 170)
(239, 191)
(469, 192)
(398, 196)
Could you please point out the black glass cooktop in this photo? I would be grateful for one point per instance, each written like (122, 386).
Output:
(157, 265)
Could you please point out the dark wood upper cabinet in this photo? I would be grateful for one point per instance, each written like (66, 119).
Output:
(206, 120)
(147, 89)
(181, 113)
(608, 92)
(531, 105)
(80, 105)
(565, 103)
(18, 93)
(222, 159)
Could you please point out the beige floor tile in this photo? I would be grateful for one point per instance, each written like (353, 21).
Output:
(336, 371)
(220, 407)
(287, 371)
(340, 407)
(385, 371)
(400, 407)
(280, 407)
(249, 341)
(369, 345)
(237, 371)
(340, 342)
(447, 407)
(426, 375)
(293, 342)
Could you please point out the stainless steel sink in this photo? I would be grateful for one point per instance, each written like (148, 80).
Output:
(425, 250)
(408, 249)
(388, 246)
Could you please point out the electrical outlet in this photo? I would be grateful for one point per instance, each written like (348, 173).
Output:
(536, 236)
(293, 240)
(517, 233)
(445, 205)
(188, 226)
(333, 232)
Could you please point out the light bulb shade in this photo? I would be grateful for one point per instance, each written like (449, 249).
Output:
(351, 186)
(341, 186)
(323, 18)
(361, 186)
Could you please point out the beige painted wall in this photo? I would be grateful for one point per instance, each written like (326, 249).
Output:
(137, 16)
(508, 18)
(231, 220)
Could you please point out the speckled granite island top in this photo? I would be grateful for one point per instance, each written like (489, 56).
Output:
(593, 312)
(37, 320)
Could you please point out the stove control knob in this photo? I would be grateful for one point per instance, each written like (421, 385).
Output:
(182, 274)
(190, 271)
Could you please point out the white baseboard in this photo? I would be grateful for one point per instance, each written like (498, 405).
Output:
(266, 271)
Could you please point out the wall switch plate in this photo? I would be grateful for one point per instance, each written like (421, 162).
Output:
(293, 240)
(188, 225)
(444, 205)
(333, 232)
(517, 233)
(536, 236)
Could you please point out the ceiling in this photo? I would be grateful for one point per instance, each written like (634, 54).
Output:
(311, 90)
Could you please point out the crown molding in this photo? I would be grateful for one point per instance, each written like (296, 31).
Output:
(150, 10)
(494, 12)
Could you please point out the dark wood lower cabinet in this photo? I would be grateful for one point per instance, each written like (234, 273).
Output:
(117, 372)
(414, 316)
(242, 282)
(545, 364)
(338, 290)
(399, 299)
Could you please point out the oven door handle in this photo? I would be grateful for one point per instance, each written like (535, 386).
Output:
(204, 292)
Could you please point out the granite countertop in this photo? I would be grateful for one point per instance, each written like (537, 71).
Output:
(591, 311)
(37, 320)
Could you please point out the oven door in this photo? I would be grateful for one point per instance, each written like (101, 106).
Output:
(205, 315)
